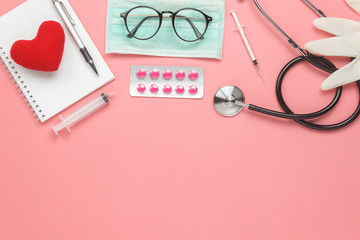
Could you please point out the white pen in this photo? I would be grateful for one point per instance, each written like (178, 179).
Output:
(70, 25)
(246, 42)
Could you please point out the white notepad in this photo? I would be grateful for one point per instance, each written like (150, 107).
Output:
(50, 93)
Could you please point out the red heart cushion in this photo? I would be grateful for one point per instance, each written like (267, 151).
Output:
(44, 52)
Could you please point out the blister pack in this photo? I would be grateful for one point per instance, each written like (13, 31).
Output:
(167, 82)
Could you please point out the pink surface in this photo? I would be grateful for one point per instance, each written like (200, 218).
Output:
(161, 169)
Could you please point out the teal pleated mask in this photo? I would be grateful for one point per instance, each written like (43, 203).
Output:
(166, 42)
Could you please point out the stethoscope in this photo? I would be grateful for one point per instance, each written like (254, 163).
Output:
(230, 100)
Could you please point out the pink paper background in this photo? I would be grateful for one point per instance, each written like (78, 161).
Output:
(161, 169)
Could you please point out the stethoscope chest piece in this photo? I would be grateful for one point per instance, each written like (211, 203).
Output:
(225, 101)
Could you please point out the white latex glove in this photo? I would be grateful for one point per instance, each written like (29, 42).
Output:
(346, 43)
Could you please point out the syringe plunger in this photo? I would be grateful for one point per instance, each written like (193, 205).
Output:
(82, 112)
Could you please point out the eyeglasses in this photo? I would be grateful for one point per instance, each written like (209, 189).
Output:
(143, 23)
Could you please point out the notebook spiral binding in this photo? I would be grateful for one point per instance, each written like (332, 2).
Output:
(6, 62)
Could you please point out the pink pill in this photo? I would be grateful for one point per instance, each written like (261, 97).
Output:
(180, 89)
(167, 74)
(167, 88)
(141, 73)
(141, 87)
(193, 89)
(180, 75)
(154, 88)
(193, 75)
(154, 74)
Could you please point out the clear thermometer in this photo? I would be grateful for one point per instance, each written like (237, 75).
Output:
(82, 112)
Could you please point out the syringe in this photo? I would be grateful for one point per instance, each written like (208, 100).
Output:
(247, 44)
(82, 112)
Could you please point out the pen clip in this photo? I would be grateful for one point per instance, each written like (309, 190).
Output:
(67, 13)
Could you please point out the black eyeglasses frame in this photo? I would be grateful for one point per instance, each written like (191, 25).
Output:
(199, 35)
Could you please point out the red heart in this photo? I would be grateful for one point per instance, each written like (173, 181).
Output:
(44, 52)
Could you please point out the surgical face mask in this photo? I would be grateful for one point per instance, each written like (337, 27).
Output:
(166, 42)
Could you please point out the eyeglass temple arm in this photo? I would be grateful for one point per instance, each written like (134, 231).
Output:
(133, 32)
(198, 34)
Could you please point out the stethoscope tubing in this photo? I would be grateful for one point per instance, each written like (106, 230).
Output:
(333, 103)
(320, 63)
(301, 118)
(291, 115)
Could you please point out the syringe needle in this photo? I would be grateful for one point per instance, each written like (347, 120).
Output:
(246, 42)
(258, 70)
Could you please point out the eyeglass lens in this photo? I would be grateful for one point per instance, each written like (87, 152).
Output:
(143, 22)
(190, 24)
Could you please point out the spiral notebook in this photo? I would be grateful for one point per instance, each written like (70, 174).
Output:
(48, 93)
